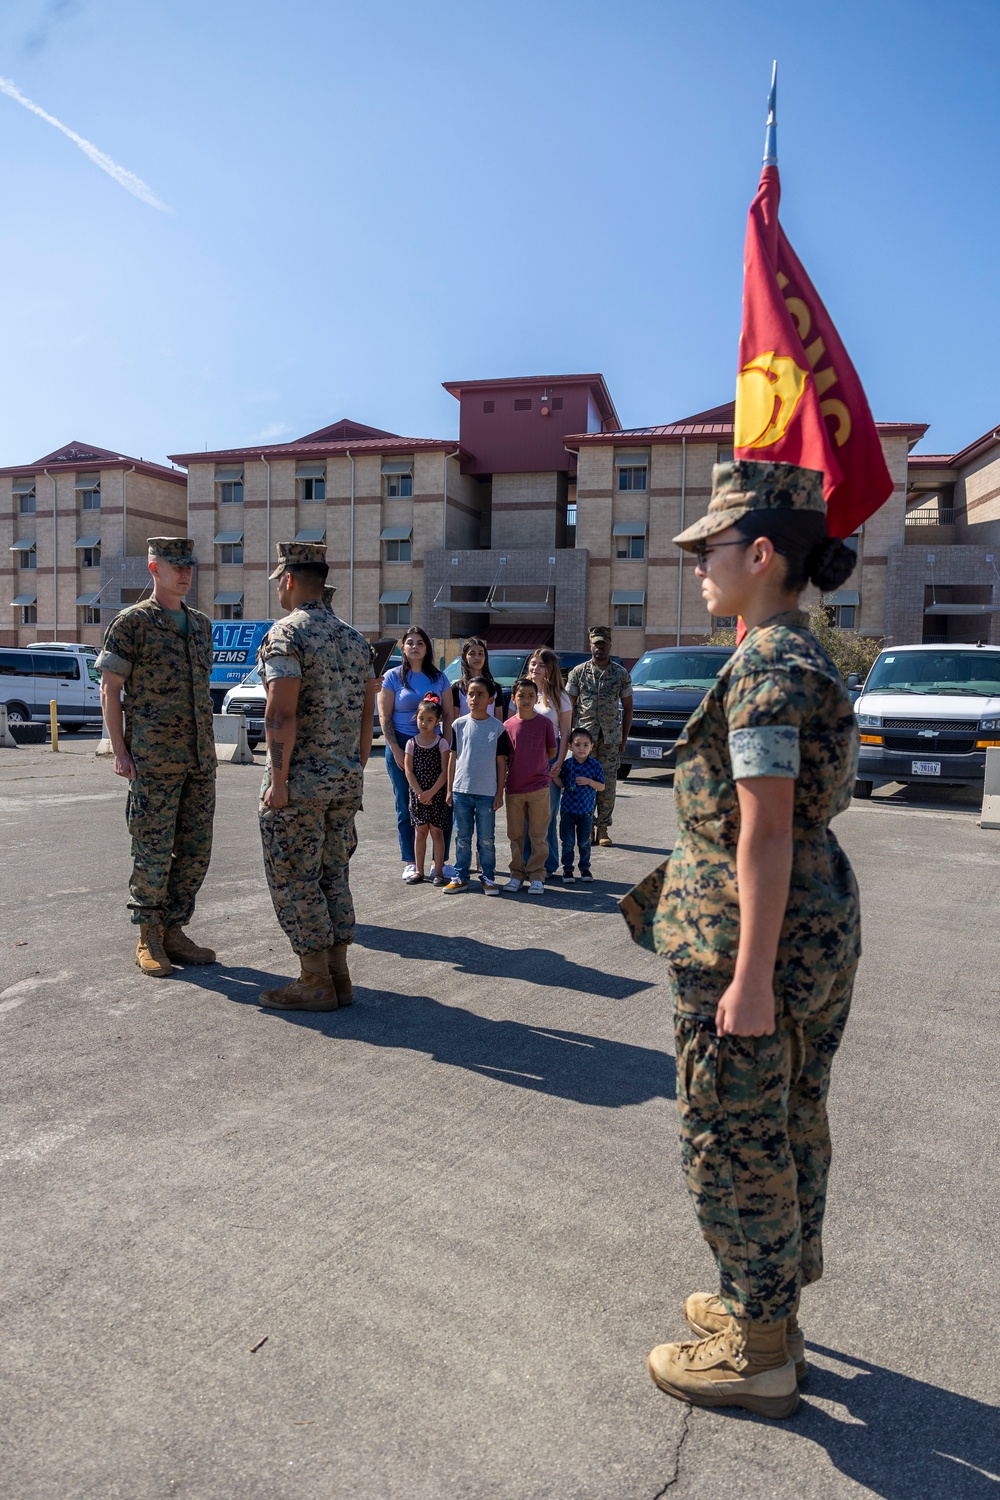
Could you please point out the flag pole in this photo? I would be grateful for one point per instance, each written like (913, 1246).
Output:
(771, 134)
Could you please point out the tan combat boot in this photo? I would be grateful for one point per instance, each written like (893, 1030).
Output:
(178, 946)
(337, 960)
(149, 954)
(603, 837)
(313, 990)
(706, 1314)
(745, 1365)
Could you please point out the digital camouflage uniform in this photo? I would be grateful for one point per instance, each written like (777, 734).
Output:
(169, 735)
(596, 693)
(307, 844)
(755, 1143)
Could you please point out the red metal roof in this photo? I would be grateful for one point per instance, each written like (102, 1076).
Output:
(716, 423)
(83, 456)
(307, 448)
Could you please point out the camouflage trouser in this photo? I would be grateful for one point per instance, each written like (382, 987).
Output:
(170, 820)
(608, 752)
(306, 849)
(755, 1141)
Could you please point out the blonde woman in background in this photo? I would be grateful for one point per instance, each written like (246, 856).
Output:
(555, 705)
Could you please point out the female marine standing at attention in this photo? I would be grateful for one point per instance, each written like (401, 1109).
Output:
(757, 914)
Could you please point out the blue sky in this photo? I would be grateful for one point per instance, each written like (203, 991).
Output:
(367, 200)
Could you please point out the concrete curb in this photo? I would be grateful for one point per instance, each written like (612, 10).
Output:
(7, 740)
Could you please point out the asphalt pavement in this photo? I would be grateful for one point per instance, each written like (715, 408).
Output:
(420, 1248)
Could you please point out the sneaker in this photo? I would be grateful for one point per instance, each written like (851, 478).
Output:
(490, 888)
(586, 875)
(513, 884)
(536, 888)
(409, 871)
(456, 885)
(568, 878)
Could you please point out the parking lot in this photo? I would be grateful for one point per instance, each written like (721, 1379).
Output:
(420, 1248)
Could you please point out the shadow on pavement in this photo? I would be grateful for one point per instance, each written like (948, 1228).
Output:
(530, 965)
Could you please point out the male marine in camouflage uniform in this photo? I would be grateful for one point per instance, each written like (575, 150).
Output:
(318, 724)
(160, 653)
(596, 688)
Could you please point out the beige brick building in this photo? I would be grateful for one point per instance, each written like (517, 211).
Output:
(73, 530)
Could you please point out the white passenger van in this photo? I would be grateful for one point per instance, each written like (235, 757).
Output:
(30, 678)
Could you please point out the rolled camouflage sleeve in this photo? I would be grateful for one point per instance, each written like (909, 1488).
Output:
(279, 654)
(764, 713)
(119, 651)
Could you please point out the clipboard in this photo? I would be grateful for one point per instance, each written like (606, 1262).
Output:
(381, 652)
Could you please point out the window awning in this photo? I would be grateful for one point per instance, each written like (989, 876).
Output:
(224, 538)
(629, 528)
(23, 486)
(26, 544)
(228, 476)
(87, 598)
(23, 599)
(397, 466)
(628, 596)
(88, 482)
(631, 460)
(87, 541)
(962, 609)
(230, 596)
(842, 596)
(394, 596)
(395, 533)
(310, 471)
(316, 535)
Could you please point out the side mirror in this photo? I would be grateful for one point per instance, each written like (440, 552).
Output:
(853, 680)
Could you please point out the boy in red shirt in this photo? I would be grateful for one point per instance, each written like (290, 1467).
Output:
(533, 744)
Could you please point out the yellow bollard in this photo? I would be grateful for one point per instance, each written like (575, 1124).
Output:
(53, 724)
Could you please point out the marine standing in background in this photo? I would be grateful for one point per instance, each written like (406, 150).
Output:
(318, 723)
(159, 653)
(597, 688)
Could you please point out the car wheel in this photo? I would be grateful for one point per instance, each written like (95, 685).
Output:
(624, 772)
(17, 714)
(863, 789)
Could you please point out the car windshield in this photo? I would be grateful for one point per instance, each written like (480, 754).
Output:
(252, 679)
(952, 673)
(675, 671)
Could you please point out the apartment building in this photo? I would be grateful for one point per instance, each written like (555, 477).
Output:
(73, 529)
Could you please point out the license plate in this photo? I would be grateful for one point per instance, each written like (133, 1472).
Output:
(926, 768)
(651, 752)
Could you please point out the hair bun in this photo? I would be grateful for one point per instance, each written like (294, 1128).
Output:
(830, 564)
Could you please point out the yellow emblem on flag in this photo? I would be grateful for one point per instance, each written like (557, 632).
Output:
(769, 379)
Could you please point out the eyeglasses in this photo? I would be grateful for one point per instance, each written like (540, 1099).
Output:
(701, 552)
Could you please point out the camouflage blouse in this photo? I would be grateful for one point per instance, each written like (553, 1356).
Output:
(168, 707)
(334, 662)
(778, 708)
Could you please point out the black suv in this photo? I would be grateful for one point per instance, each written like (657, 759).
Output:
(667, 686)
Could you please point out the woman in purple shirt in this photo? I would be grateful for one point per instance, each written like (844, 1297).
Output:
(403, 690)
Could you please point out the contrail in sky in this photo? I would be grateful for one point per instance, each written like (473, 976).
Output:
(121, 175)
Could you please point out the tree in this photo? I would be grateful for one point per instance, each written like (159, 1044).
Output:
(850, 651)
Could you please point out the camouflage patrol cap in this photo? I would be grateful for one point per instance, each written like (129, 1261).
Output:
(178, 550)
(292, 554)
(599, 633)
(747, 484)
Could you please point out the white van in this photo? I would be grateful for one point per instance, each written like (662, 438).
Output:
(30, 679)
(928, 713)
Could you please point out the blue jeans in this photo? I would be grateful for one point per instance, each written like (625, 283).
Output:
(552, 858)
(469, 809)
(573, 828)
(401, 792)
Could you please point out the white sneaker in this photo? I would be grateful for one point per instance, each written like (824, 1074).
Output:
(409, 871)
(536, 888)
(513, 885)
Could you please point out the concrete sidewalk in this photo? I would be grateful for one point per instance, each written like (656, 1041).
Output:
(454, 1213)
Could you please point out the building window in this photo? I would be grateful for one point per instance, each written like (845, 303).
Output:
(629, 615)
(522, 404)
(231, 552)
(29, 614)
(313, 490)
(632, 476)
(489, 407)
(852, 542)
(398, 486)
(630, 546)
(398, 551)
(91, 614)
(27, 560)
(27, 504)
(90, 557)
(90, 499)
(231, 492)
(229, 611)
(724, 622)
(842, 616)
(557, 403)
(571, 513)
(725, 455)
(397, 614)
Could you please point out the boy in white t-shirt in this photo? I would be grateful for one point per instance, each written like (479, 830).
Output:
(477, 773)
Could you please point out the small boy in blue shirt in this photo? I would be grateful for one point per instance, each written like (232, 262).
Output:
(581, 778)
